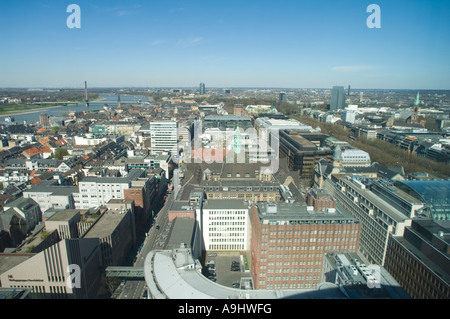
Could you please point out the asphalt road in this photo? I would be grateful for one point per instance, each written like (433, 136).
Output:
(134, 288)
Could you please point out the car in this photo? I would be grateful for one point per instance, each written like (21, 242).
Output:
(211, 267)
(157, 227)
(212, 255)
(212, 278)
(236, 285)
(212, 273)
(145, 295)
(210, 262)
(123, 282)
(235, 268)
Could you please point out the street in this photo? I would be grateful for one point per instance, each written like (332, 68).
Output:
(134, 288)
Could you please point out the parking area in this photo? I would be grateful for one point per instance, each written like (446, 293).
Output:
(225, 268)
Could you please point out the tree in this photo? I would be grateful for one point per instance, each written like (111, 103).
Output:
(60, 153)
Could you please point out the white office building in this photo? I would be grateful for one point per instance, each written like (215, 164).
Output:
(164, 137)
(280, 124)
(348, 116)
(95, 191)
(225, 224)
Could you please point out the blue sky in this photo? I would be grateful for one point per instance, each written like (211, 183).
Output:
(292, 44)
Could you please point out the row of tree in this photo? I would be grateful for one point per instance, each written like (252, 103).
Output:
(380, 151)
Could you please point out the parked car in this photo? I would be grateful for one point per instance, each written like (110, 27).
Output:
(212, 255)
(236, 285)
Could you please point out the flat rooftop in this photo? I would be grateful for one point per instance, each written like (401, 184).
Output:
(53, 187)
(299, 211)
(225, 204)
(384, 206)
(106, 224)
(64, 215)
(182, 232)
(9, 261)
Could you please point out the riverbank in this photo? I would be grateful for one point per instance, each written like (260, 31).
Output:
(40, 108)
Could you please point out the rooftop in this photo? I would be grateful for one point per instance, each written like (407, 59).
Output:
(52, 187)
(298, 211)
(174, 274)
(132, 175)
(225, 204)
(182, 232)
(106, 225)
(64, 215)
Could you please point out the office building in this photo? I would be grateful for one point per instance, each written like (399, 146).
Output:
(224, 122)
(379, 217)
(44, 120)
(289, 241)
(348, 116)
(419, 260)
(202, 89)
(51, 195)
(47, 274)
(116, 231)
(95, 191)
(303, 150)
(164, 137)
(337, 98)
(350, 157)
(65, 222)
(225, 224)
(251, 190)
(280, 124)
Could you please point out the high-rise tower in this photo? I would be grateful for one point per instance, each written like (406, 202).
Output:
(337, 98)
(202, 89)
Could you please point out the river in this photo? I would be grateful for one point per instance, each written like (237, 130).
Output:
(61, 112)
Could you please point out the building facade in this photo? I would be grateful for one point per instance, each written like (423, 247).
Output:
(164, 137)
(379, 218)
(289, 242)
(225, 224)
(68, 269)
(337, 98)
(419, 260)
(95, 191)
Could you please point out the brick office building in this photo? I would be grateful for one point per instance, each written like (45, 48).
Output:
(289, 242)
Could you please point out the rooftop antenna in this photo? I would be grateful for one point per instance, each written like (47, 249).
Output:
(85, 92)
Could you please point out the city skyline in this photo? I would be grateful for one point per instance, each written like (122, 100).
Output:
(287, 44)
